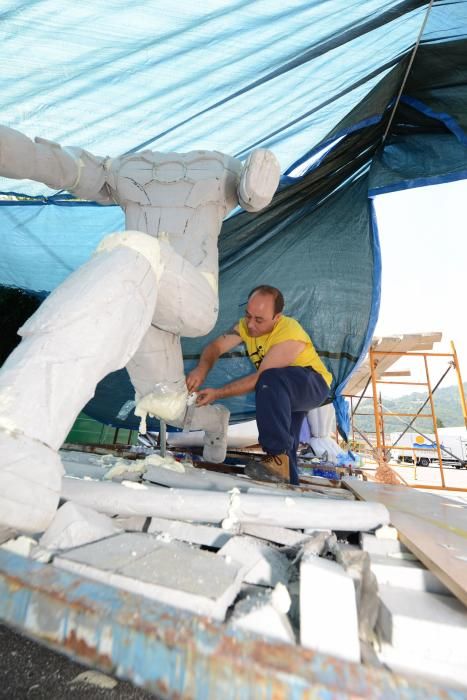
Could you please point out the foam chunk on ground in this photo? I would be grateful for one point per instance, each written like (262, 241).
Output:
(328, 610)
(261, 563)
(271, 533)
(173, 573)
(435, 623)
(206, 535)
(405, 574)
(74, 525)
(423, 633)
(265, 614)
(382, 546)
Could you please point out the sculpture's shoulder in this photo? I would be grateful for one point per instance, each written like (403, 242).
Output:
(198, 162)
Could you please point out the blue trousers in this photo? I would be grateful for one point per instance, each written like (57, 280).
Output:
(283, 397)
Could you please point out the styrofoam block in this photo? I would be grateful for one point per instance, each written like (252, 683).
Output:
(173, 573)
(75, 525)
(434, 669)
(434, 625)
(261, 563)
(328, 609)
(386, 532)
(132, 523)
(260, 613)
(377, 545)
(114, 552)
(206, 535)
(280, 535)
(317, 541)
(405, 574)
(22, 545)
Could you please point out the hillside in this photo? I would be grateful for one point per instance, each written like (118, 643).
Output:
(447, 408)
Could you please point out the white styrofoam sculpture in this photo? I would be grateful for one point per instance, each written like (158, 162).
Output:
(127, 306)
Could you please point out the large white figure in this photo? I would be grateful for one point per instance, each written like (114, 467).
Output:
(127, 306)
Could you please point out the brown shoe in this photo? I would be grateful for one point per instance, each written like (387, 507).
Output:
(271, 468)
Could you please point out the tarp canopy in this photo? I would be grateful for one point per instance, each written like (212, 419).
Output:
(318, 85)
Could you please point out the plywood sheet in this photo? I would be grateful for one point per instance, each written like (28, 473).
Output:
(434, 528)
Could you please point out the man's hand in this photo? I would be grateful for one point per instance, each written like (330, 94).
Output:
(195, 378)
(207, 396)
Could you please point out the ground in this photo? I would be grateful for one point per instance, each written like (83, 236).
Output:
(454, 478)
(30, 670)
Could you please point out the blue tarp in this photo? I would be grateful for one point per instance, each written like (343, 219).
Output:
(312, 82)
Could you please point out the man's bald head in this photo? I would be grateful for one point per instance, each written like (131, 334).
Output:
(276, 294)
(263, 310)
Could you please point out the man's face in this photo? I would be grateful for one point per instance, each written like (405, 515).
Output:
(259, 315)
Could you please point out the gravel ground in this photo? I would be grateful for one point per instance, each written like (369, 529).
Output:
(30, 670)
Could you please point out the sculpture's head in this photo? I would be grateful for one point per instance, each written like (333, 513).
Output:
(264, 309)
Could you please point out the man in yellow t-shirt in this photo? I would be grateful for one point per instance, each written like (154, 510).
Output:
(290, 379)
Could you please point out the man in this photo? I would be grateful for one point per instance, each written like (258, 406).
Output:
(290, 379)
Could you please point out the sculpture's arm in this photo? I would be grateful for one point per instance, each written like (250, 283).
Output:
(259, 180)
(45, 161)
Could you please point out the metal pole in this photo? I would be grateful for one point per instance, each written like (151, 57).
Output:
(459, 381)
(163, 437)
(410, 425)
(435, 427)
(379, 446)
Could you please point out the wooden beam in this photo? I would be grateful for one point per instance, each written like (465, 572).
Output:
(432, 527)
(401, 373)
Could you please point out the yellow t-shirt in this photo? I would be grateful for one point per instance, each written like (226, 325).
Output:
(286, 328)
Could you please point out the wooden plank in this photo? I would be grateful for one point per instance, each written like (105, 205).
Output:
(397, 343)
(434, 528)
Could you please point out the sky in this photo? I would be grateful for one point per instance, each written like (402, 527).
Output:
(423, 235)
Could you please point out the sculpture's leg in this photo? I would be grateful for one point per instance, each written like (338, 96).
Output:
(89, 326)
(156, 372)
(187, 305)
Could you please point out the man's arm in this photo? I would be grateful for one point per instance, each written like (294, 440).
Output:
(280, 355)
(211, 353)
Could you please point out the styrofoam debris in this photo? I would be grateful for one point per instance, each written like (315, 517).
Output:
(261, 563)
(263, 613)
(22, 545)
(75, 525)
(173, 573)
(328, 610)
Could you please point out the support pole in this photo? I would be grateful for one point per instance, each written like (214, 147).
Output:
(435, 427)
(459, 381)
(163, 437)
(379, 444)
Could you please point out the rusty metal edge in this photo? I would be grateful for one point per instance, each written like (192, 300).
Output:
(175, 654)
